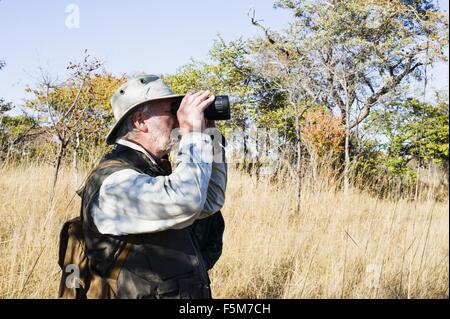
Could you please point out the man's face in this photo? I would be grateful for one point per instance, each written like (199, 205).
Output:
(160, 123)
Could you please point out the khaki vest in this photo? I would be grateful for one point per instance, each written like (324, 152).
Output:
(166, 264)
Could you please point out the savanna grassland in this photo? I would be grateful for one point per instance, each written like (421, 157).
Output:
(354, 246)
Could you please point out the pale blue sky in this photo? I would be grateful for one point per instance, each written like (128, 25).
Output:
(130, 36)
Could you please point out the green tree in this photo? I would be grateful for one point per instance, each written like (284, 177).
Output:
(77, 112)
(413, 130)
(351, 55)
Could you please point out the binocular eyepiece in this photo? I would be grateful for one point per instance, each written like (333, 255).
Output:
(218, 110)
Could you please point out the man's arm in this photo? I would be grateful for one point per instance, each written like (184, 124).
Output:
(208, 233)
(130, 202)
(215, 198)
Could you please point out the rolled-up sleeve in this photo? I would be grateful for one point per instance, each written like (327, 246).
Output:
(130, 202)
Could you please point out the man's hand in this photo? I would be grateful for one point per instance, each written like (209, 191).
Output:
(190, 113)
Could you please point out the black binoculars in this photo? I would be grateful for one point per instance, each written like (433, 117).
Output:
(218, 110)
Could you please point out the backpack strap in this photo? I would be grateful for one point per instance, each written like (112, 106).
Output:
(101, 166)
(104, 169)
(120, 260)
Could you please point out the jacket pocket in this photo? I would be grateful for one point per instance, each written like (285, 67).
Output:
(183, 288)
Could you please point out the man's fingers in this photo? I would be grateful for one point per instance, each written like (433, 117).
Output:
(206, 103)
(195, 99)
(190, 97)
(197, 94)
(201, 98)
(186, 97)
(190, 115)
(204, 95)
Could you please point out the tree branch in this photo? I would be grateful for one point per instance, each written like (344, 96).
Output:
(266, 33)
(385, 89)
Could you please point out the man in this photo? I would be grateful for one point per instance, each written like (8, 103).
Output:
(133, 203)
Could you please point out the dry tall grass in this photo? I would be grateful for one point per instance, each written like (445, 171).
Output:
(350, 247)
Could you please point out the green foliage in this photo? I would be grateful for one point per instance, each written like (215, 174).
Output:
(354, 56)
(226, 74)
(370, 172)
(15, 136)
(81, 105)
(351, 54)
(16, 125)
(413, 131)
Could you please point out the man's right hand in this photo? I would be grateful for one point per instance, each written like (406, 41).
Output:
(190, 114)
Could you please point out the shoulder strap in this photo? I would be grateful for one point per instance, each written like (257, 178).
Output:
(102, 165)
(120, 260)
(96, 177)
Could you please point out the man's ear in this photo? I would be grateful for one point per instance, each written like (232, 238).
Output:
(138, 119)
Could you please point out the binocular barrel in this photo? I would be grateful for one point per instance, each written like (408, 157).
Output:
(218, 110)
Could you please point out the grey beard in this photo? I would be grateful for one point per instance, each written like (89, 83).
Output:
(165, 144)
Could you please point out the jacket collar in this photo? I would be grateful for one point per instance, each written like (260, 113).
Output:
(136, 147)
(139, 157)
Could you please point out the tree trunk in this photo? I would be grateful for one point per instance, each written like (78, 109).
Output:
(75, 167)
(315, 169)
(60, 155)
(416, 192)
(298, 181)
(246, 162)
(75, 159)
(347, 163)
(347, 152)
